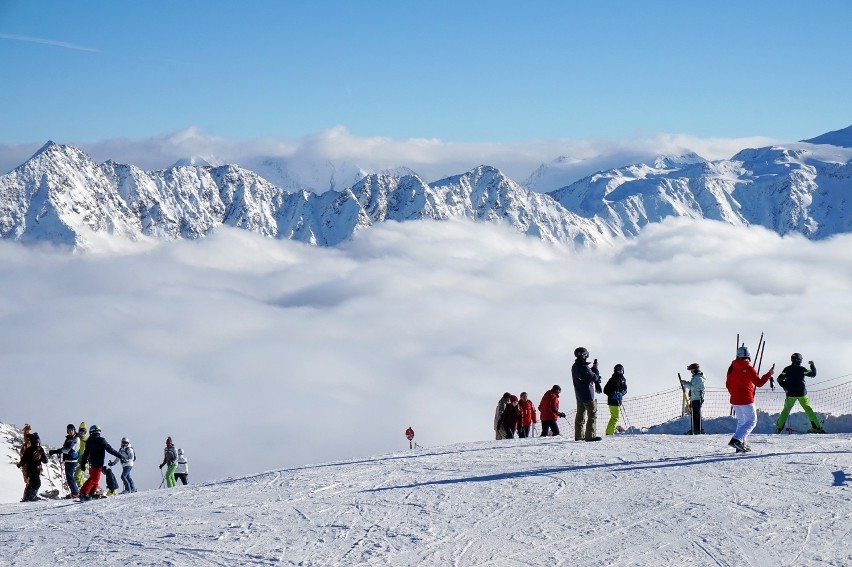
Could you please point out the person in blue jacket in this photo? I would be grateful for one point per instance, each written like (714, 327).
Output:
(70, 451)
(587, 382)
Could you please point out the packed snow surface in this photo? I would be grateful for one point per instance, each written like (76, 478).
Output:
(628, 500)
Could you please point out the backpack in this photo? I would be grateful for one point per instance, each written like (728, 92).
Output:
(171, 455)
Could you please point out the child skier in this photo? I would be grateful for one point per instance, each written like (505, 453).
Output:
(111, 482)
(615, 389)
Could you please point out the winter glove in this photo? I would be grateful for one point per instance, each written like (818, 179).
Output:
(161, 467)
(18, 465)
(124, 461)
(598, 388)
(617, 396)
(561, 414)
(54, 452)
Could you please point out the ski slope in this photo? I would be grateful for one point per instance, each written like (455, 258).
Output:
(628, 500)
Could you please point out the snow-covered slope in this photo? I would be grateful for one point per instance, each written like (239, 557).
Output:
(800, 187)
(629, 500)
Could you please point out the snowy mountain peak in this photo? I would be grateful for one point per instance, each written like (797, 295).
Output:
(677, 161)
(842, 138)
(198, 161)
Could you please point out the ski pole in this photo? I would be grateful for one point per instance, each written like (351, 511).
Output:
(164, 478)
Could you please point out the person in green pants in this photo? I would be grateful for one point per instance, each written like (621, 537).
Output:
(615, 389)
(792, 379)
(170, 462)
(83, 434)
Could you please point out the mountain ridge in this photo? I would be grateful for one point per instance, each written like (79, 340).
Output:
(60, 195)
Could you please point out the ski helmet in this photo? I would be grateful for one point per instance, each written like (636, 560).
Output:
(556, 388)
(94, 429)
(796, 358)
(70, 427)
(693, 367)
(125, 441)
(513, 399)
(581, 352)
(742, 352)
(618, 368)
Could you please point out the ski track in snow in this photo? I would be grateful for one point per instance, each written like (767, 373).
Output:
(628, 500)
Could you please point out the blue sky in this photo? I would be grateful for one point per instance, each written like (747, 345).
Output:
(467, 72)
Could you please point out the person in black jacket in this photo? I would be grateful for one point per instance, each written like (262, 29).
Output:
(94, 457)
(587, 382)
(792, 379)
(510, 419)
(615, 389)
(31, 464)
(70, 453)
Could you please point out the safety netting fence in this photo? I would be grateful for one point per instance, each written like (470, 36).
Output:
(667, 411)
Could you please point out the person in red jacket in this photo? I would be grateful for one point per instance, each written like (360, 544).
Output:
(528, 415)
(741, 383)
(549, 408)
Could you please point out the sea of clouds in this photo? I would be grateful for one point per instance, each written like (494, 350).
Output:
(256, 354)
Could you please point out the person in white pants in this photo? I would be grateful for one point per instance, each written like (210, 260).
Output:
(742, 382)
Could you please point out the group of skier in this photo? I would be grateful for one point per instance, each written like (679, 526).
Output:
(85, 448)
(514, 415)
(517, 415)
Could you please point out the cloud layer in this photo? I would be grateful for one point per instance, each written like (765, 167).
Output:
(431, 158)
(256, 354)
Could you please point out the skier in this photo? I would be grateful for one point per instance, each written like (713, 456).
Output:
(30, 464)
(741, 382)
(615, 389)
(792, 379)
(696, 397)
(111, 482)
(94, 457)
(83, 436)
(24, 444)
(70, 451)
(182, 470)
(409, 434)
(170, 459)
(511, 418)
(127, 456)
(501, 406)
(528, 415)
(549, 410)
(587, 381)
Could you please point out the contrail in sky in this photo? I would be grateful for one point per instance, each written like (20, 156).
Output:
(47, 42)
